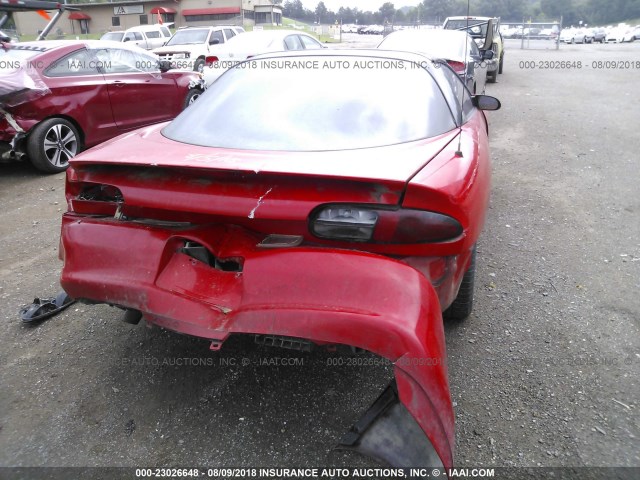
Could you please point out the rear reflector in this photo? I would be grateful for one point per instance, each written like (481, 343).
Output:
(457, 67)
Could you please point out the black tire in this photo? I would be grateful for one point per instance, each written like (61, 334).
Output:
(192, 96)
(500, 64)
(52, 143)
(463, 304)
(199, 65)
(492, 77)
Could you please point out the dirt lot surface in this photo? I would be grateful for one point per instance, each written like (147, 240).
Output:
(546, 371)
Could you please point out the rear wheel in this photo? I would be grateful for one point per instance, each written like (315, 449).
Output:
(492, 77)
(500, 64)
(463, 304)
(199, 65)
(52, 143)
(192, 96)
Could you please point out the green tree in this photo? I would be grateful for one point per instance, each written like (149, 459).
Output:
(387, 12)
(321, 12)
(437, 8)
(294, 9)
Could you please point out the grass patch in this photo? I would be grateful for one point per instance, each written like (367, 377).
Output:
(290, 21)
(69, 36)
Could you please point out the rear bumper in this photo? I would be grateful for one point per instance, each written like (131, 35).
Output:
(324, 295)
(12, 137)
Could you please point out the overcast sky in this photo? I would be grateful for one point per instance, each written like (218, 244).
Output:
(372, 5)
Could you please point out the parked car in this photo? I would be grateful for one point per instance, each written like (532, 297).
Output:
(457, 48)
(147, 36)
(486, 32)
(374, 30)
(632, 34)
(59, 97)
(255, 43)
(566, 35)
(579, 36)
(616, 35)
(548, 33)
(190, 47)
(115, 36)
(598, 35)
(303, 217)
(532, 32)
(512, 31)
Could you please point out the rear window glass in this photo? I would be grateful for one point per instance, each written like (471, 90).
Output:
(114, 36)
(435, 43)
(476, 28)
(186, 37)
(359, 103)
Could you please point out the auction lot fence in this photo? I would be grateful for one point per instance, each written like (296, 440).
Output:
(529, 35)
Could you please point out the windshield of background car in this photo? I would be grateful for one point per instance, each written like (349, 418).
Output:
(187, 37)
(476, 28)
(339, 103)
(114, 36)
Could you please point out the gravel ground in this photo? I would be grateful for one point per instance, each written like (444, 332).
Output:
(544, 373)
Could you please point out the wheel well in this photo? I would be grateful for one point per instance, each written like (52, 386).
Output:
(69, 119)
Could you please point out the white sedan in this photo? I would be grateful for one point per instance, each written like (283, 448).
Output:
(250, 44)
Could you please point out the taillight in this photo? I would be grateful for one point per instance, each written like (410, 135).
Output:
(210, 60)
(345, 223)
(380, 225)
(458, 67)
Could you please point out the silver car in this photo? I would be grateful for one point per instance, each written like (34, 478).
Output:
(456, 47)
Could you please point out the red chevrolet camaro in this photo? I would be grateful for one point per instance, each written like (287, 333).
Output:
(321, 197)
(59, 97)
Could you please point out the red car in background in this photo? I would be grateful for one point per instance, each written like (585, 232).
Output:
(307, 199)
(59, 97)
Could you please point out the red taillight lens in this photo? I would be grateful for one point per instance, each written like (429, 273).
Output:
(358, 223)
(458, 67)
(415, 226)
(210, 60)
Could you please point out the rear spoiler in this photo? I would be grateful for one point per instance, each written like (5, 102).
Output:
(9, 6)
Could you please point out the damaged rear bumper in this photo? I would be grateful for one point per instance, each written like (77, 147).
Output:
(12, 138)
(324, 295)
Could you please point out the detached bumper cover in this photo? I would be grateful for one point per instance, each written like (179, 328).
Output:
(324, 295)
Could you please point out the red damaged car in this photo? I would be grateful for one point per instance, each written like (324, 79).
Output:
(59, 97)
(311, 198)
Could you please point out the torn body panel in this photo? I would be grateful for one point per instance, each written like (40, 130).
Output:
(13, 137)
(325, 295)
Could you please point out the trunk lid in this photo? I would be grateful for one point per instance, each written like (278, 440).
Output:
(148, 147)
(268, 192)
